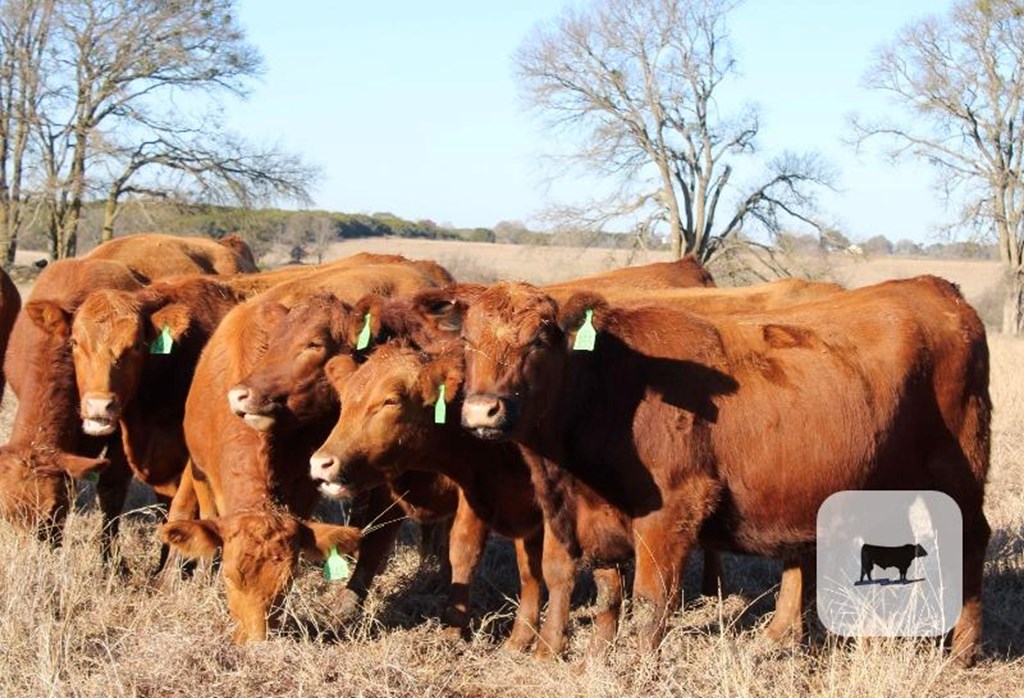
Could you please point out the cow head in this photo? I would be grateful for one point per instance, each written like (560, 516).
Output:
(110, 336)
(429, 320)
(388, 406)
(517, 342)
(919, 551)
(35, 486)
(259, 559)
(288, 382)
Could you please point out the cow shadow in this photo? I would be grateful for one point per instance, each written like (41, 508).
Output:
(887, 582)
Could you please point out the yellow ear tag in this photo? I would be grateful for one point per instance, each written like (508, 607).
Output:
(163, 343)
(440, 408)
(335, 567)
(363, 340)
(586, 335)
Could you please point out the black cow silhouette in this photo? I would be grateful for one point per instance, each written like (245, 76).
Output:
(885, 556)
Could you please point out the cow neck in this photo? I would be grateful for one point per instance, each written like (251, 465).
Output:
(48, 407)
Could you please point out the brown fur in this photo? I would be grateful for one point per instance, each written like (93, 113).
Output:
(386, 429)
(10, 305)
(680, 426)
(153, 255)
(237, 467)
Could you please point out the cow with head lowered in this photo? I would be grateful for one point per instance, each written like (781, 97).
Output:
(47, 446)
(263, 475)
(673, 428)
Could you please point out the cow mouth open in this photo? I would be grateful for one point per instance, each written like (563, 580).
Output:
(489, 433)
(259, 422)
(98, 426)
(334, 490)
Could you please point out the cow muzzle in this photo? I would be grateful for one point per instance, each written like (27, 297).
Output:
(100, 414)
(325, 470)
(240, 399)
(488, 416)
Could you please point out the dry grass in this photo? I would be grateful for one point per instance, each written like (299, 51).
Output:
(68, 627)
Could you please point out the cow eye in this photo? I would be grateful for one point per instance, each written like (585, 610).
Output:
(391, 401)
(315, 344)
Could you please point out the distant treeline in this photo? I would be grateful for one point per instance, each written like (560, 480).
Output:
(307, 234)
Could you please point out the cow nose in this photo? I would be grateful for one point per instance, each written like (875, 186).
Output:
(487, 411)
(323, 467)
(237, 399)
(103, 407)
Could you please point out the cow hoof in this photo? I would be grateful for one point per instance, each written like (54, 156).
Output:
(455, 635)
(347, 608)
(517, 643)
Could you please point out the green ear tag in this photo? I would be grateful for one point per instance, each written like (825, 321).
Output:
(586, 335)
(363, 340)
(163, 343)
(335, 567)
(94, 478)
(440, 408)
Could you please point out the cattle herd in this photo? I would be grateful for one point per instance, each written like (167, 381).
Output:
(624, 418)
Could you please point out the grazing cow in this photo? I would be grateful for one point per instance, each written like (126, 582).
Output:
(236, 468)
(260, 553)
(387, 429)
(885, 556)
(40, 369)
(10, 304)
(685, 272)
(730, 429)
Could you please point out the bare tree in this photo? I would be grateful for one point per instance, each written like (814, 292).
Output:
(960, 80)
(128, 104)
(641, 80)
(25, 27)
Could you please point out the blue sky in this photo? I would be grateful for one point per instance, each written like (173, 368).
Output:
(413, 108)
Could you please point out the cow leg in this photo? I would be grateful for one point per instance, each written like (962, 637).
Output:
(465, 547)
(560, 577)
(529, 556)
(712, 580)
(797, 578)
(660, 558)
(609, 605)
(112, 491)
(371, 509)
(183, 505)
(435, 542)
(967, 632)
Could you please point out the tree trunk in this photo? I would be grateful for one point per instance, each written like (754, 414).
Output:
(1013, 304)
(109, 214)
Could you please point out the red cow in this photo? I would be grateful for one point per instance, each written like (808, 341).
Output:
(236, 469)
(387, 430)
(677, 428)
(35, 463)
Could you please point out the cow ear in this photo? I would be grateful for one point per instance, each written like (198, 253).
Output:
(446, 307)
(79, 466)
(446, 370)
(338, 369)
(271, 313)
(366, 326)
(194, 538)
(572, 314)
(318, 538)
(176, 317)
(50, 317)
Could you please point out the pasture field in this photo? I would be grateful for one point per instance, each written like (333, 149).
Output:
(70, 627)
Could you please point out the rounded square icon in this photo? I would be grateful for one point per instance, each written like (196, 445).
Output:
(889, 563)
